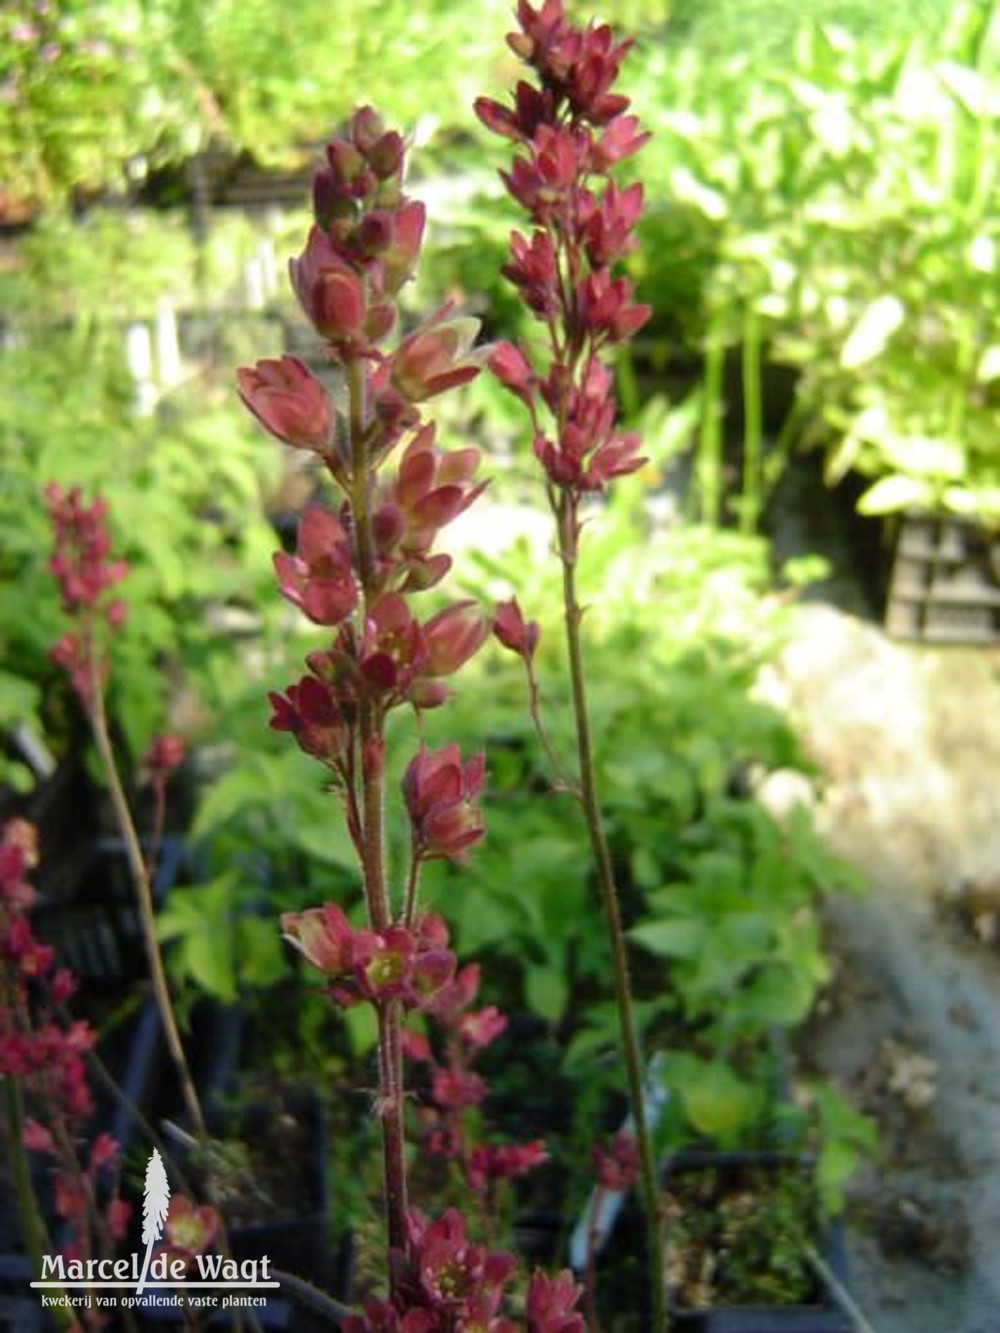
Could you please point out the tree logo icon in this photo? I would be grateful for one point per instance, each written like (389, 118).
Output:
(155, 1202)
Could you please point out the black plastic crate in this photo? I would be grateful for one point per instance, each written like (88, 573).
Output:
(95, 929)
(944, 585)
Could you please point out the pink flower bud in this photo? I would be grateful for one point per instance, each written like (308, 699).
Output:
(165, 754)
(616, 1164)
(513, 631)
(440, 794)
(288, 400)
(36, 1138)
(481, 1027)
(310, 712)
(511, 368)
(452, 637)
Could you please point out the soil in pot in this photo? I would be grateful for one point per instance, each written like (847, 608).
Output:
(744, 1231)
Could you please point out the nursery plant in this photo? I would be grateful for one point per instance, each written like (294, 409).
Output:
(832, 210)
(357, 571)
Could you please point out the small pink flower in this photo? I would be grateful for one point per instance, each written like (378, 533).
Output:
(440, 793)
(509, 364)
(454, 1089)
(453, 636)
(481, 1027)
(190, 1229)
(399, 260)
(63, 987)
(513, 631)
(457, 1277)
(327, 940)
(310, 712)
(606, 307)
(532, 107)
(36, 1137)
(416, 1047)
(289, 401)
(436, 356)
(533, 269)
(319, 578)
(621, 138)
(431, 487)
(165, 754)
(330, 291)
(551, 1302)
(504, 1161)
(104, 1151)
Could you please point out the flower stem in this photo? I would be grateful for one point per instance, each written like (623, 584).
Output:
(390, 1055)
(139, 871)
(32, 1226)
(568, 526)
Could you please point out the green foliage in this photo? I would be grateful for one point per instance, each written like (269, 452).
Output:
(96, 95)
(217, 948)
(845, 1138)
(185, 486)
(834, 208)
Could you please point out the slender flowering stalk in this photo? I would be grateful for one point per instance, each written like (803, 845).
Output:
(43, 1070)
(570, 129)
(86, 575)
(358, 572)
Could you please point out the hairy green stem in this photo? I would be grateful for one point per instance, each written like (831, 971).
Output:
(568, 524)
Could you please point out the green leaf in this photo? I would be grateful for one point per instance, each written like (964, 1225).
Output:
(19, 698)
(893, 494)
(779, 996)
(546, 992)
(988, 368)
(261, 959)
(875, 326)
(362, 1028)
(716, 1101)
(683, 937)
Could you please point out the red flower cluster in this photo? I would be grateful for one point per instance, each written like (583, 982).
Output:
(450, 1282)
(86, 574)
(455, 1087)
(394, 660)
(616, 1163)
(430, 488)
(573, 130)
(412, 964)
(47, 1056)
(363, 246)
(353, 571)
